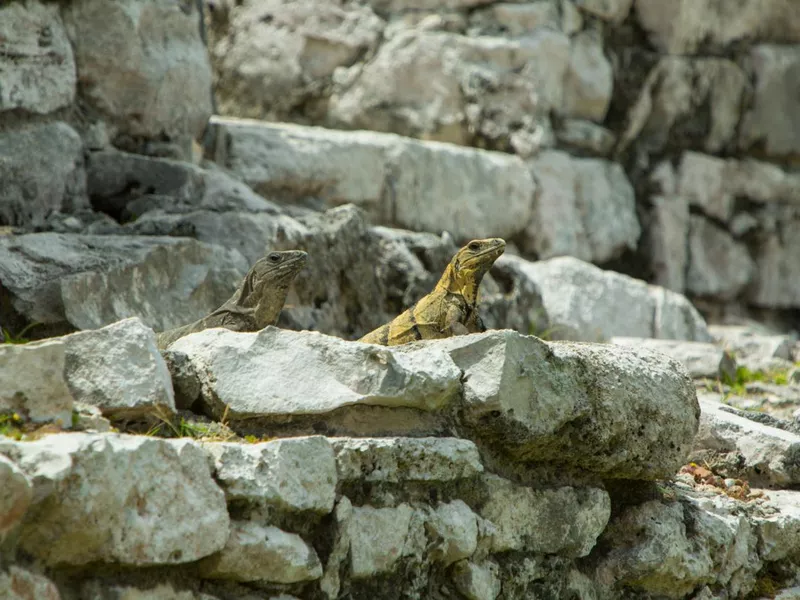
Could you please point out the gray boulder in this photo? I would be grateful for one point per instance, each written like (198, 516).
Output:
(256, 552)
(585, 208)
(129, 185)
(565, 520)
(669, 549)
(754, 349)
(291, 475)
(33, 383)
(16, 493)
(532, 399)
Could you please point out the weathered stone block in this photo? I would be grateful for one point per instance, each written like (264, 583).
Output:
(33, 383)
(277, 373)
(42, 168)
(36, 61)
(401, 459)
(149, 71)
(119, 369)
(89, 281)
(16, 493)
(131, 500)
(296, 474)
(700, 359)
(740, 447)
(586, 303)
(255, 552)
(565, 521)
(396, 178)
(533, 398)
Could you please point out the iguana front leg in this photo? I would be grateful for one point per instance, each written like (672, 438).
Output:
(454, 321)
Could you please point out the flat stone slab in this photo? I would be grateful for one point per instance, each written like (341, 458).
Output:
(400, 459)
(702, 360)
(741, 447)
(275, 373)
(122, 499)
(429, 181)
(89, 281)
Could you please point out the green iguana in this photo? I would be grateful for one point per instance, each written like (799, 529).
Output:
(452, 307)
(257, 301)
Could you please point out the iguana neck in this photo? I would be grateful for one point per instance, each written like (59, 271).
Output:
(464, 285)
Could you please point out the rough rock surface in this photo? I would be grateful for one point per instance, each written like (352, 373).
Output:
(700, 359)
(523, 394)
(403, 459)
(91, 281)
(313, 374)
(42, 165)
(164, 61)
(119, 370)
(33, 382)
(585, 208)
(257, 553)
(686, 27)
(15, 497)
(670, 549)
(128, 185)
(152, 501)
(525, 518)
(39, 75)
(741, 447)
(658, 139)
(297, 474)
(585, 303)
(402, 182)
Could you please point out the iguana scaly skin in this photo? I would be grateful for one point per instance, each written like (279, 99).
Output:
(452, 307)
(257, 301)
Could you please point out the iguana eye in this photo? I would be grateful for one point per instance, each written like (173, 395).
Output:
(474, 246)
(274, 257)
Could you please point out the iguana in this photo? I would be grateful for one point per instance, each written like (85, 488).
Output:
(257, 301)
(452, 307)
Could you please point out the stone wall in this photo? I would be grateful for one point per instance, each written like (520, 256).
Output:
(316, 468)
(296, 464)
(660, 137)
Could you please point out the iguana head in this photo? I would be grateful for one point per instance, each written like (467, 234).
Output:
(267, 284)
(470, 264)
